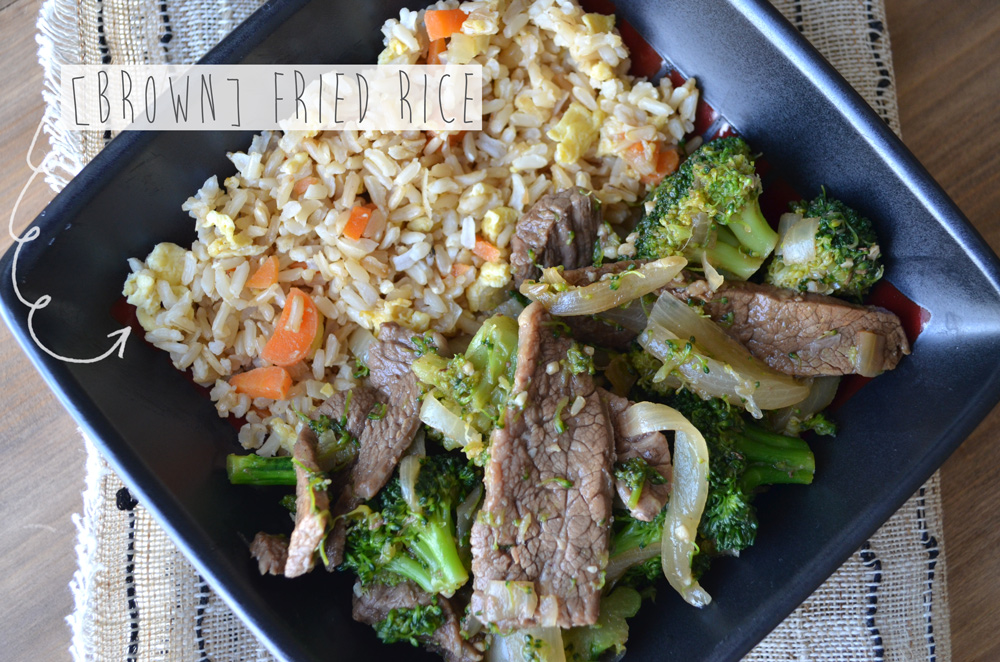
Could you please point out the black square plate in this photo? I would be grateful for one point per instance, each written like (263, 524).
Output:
(167, 443)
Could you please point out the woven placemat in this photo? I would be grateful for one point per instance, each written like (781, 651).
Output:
(137, 597)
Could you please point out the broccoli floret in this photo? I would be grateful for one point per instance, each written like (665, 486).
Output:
(817, 423)
(336, 447)
(475, 385)
(634, 473)
(742, 458)
(843, 258)
(588, 644)
(257, 470)
(415, 625)
(708, 210)
(387, 540)
(645, 366)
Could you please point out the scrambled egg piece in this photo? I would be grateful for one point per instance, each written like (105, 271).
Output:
(599, 22)
(286, 434)
(165, 262)
(396, 310)
(490, 287)
(576, 131)
(462, 47)
(496, 220)
(294, 164)
(231, 242)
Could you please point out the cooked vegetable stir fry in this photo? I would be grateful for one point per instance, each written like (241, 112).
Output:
(708, 212)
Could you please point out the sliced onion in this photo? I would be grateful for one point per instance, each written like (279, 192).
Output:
(465, 514)
(871, 349)
(786, 221)
(724, 368)
(448, 423)
(712, 276)
(419, 445)
(821, 394)
(510, 600)
(521, 645)
(409, 470)
(511, 308)
(610, 292)
(798, 245)
(687, 496)
(701, 229)
(359, 343)
(631, 316)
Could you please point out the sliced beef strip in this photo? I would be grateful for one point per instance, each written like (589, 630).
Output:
(270, 552)
(373, 603)
(312, 507)
(384, 440)
(356, 404)
(804, 334)
(653, 448)
(559, 230)
(547, 509)
(381, 441)
(800, 334)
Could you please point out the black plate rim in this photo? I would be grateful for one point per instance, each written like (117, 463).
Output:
(765, 18)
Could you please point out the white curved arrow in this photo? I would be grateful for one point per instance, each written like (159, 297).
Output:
(45, 299)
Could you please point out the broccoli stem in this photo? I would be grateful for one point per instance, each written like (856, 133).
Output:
(727, 257)
(437, 567)
(408, 567)
(436, 547)
(753, 231)
(760, 475)
(257, 470)
(774, 459)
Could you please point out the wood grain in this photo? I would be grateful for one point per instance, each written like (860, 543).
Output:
(947, 59)
(42, 477)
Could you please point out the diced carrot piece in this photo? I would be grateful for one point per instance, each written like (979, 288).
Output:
(271, 382)
(667, 161)
(641, 156)
(358, 221)
(295, 331)
(458, 269)
(441, 23)
(304, 183)
(266, 274)
(434, 51)
(486, 250)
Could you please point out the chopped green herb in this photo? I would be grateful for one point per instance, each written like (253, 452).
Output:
(560, 425)
(378, 412)
(360, 369)
(635, 473)
(424, 344)
(578, 361)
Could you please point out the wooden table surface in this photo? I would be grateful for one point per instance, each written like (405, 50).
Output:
(947, 62)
